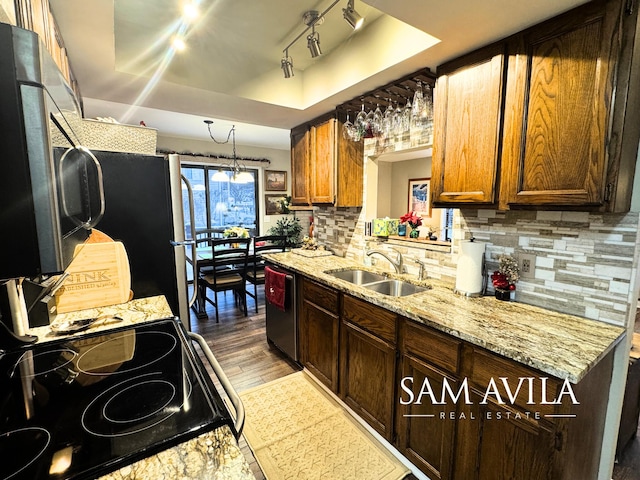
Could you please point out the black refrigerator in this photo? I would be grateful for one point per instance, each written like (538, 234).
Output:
(139, 213)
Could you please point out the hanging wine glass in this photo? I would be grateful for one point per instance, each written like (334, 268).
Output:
(347, 128)
(359, 123)
(418, 105)
(377, 120)
(406, 117)
(397, 121)
(368, 125)
(387, 121)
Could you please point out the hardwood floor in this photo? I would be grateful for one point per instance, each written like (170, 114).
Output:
(240, 345)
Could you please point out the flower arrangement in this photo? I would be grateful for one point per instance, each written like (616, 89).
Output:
(414, 222)
(412, 219)
(504, 279)
(236, 232)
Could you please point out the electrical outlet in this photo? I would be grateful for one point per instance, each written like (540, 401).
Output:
(527, 265)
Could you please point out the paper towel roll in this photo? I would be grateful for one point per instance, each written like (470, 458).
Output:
(469, 271)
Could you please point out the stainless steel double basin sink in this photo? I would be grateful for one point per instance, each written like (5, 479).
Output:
(377, 282)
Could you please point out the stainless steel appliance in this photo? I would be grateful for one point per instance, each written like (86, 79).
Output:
(282, 326)
(82, 407)
(48, 204)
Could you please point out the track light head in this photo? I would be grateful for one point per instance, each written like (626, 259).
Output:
(352, 17)
(313, 44)
(287, 65)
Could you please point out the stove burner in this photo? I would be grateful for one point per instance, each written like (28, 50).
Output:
(163, 393)
(132, 406)
(165, 342)
(15, 458)
(50, 361)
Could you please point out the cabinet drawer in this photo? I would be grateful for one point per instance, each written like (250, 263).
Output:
(488, 367)
(437, 348)
(320, 295)
(377, 321)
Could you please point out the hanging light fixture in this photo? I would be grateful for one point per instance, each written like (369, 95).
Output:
(311, 19)
(287, 65)
(239, 174)
(313, 43)
(352, 17)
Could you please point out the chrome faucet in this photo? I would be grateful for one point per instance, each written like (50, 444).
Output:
(422, 273)
(397, 262)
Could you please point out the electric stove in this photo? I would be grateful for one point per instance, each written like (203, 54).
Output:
(84, 406)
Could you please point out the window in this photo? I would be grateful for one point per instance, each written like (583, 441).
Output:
(220, 203)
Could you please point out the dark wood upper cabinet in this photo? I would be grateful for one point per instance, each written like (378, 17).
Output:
(300, 153)
(547, 118)
(326, 167)
(468, 119)
(560, 87)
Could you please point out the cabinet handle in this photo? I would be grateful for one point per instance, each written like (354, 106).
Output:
(628, 9)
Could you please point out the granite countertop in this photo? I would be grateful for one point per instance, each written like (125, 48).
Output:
(212, 455)
(565, 346)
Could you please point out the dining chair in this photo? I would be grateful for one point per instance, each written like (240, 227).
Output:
(229, 258)
(255, 270)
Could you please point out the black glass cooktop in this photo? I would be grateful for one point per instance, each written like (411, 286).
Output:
(82, 407)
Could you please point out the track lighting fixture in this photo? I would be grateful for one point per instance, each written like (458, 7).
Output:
(352, 17)
(313, 43)
(311, 19)
(287, 65)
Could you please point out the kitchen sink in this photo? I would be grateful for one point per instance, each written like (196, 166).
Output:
(378, 282)
(395, 288)
(359, 277)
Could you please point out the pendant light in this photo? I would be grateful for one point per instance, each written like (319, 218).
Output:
(239, 174)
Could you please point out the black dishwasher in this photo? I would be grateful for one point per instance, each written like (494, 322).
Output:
(282, 325)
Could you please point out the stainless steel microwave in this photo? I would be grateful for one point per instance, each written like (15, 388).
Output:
(48, 204)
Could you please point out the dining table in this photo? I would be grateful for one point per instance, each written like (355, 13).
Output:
(203, 260)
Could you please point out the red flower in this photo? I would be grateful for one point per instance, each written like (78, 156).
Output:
(412, 219)
(500, 281)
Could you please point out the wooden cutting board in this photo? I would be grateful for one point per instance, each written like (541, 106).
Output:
(99, 275)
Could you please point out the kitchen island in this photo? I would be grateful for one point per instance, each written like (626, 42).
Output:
(214, 454)
(473, 388)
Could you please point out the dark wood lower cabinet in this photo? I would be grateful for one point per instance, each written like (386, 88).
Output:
(392, 372)
(425, 431)
(367, 377)
(495, 442)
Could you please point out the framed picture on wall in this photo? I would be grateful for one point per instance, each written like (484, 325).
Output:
(275, 180)
(420, 196)
(273, 204)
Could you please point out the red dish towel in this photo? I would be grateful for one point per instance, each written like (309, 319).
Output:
(274, 287)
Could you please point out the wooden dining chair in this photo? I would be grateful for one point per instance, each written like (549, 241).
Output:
(229, 257)
(255, 270)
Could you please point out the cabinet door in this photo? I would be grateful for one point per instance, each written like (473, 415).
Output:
(493, 444)
(349, 170)
(367, 377)
(426, 430)
(323, 160)
(468, 117)
(319, 343)
(300, 151)
(560, 87)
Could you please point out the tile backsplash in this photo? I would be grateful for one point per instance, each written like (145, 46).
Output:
(584, 262)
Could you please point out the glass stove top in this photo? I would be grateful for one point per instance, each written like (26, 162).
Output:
(82, 407)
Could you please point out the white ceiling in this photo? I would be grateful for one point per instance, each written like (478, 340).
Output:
(230, 71)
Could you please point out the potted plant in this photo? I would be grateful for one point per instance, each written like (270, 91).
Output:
(414, 222)
(289, 227)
